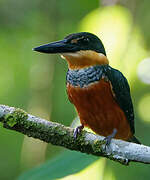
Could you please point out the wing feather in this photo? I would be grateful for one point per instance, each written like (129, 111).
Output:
(121, 89)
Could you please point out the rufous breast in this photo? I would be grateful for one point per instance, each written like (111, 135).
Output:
(98, 109)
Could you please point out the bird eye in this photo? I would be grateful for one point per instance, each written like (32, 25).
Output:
(85, 40)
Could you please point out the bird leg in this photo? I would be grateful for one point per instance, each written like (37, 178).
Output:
(109, 138)
(77, 131)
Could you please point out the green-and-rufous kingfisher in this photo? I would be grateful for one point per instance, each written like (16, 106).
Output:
(100, 93)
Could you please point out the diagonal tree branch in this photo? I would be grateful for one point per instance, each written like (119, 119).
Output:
(57, 134)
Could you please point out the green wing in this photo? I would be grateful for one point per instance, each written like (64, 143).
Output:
(121, 90)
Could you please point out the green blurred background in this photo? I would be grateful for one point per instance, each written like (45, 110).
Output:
(36, 82)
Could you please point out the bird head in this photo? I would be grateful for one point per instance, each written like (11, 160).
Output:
(79, 49)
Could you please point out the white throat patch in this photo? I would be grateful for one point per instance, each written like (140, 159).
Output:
(75, 54)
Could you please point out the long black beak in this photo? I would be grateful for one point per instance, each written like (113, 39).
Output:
(56, 47)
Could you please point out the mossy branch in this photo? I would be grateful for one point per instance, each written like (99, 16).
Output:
(57, 134)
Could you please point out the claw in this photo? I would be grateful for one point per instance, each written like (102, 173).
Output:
(109, 138)
(77, 131)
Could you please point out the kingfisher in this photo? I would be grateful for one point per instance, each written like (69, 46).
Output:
(100, 93)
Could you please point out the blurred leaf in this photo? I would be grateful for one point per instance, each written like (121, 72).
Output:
(65, 164)
(95, 171)
(143, 71)
(143, 108)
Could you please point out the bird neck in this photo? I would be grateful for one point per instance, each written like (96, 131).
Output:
(84, 59)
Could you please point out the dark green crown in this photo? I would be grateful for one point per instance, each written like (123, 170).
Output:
(86, 41)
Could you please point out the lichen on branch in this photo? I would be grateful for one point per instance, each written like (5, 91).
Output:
(58, 134)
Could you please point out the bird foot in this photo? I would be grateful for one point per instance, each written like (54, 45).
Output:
(77, 131)
(109, 138)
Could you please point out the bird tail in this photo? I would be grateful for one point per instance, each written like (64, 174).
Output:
(134, 140)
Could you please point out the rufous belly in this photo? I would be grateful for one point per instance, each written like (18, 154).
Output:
(98, 109)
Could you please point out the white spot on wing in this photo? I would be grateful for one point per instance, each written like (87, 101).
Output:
(112, 90)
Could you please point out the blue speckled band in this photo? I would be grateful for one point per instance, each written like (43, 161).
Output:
(83, 77)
